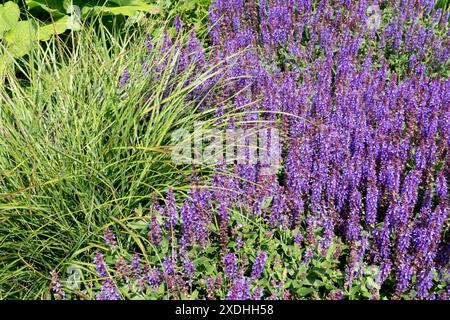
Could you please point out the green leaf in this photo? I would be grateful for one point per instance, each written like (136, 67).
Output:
(194, 295)
(331, 250)
(355, 289)
(304, 291)
(187, 6)
(138, 225)
(60, 26)
(201, 261)
(329, 285)
(128, 2)
(308, 281)
(161, 289)
(9, 16)
(124, 10)
(53, 7)
(318, 283)
(21, 38)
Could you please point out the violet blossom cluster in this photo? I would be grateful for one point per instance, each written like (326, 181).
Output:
(365, 144)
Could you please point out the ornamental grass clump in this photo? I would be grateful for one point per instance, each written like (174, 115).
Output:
(374, 78)
(85, 131)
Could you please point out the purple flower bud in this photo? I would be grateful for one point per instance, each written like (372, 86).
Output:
(109, 291)
(258, 293)
(124, 78)
(135, 265)
(57, 287)
(154, 278)
(240, 289)
(258, 265)
(155, 233)
(110, 238)
(178, 23)
(335, 295)
(122, 268)
(100, 264)
(169, 265)
(229, 264)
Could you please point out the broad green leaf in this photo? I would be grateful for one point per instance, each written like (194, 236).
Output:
(331, 250)
(304, 291)
(54, 7)
(123, 3)
(45, 32)
(138, 225)
(329, 285)
(194, 295)
(21, 38)
(161, 289)
(318, 283)
(124, 10)
(187, 6)
(308, 281)
(356, 287)
(9, 16)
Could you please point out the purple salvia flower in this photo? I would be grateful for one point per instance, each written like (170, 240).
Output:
(441, 186)
(210, 288)
(154, 278)
(100, 264)
(124, 78)
(169, 265)
(149, 44)
(135, 264)
(109, 291)
(298, 238)
(122, 268)
(240, 289)
(229, 264)
(189, 270)
(307, 257)
(188, 224)
(328, 233)
(178, 23)
(258, 293)
(109, 237)
(239, 242)
(57, 287)
(258, 265)
(155, 233)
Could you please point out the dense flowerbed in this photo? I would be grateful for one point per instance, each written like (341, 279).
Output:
(360, 91)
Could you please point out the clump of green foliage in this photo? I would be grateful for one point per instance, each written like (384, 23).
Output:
(74, 152)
